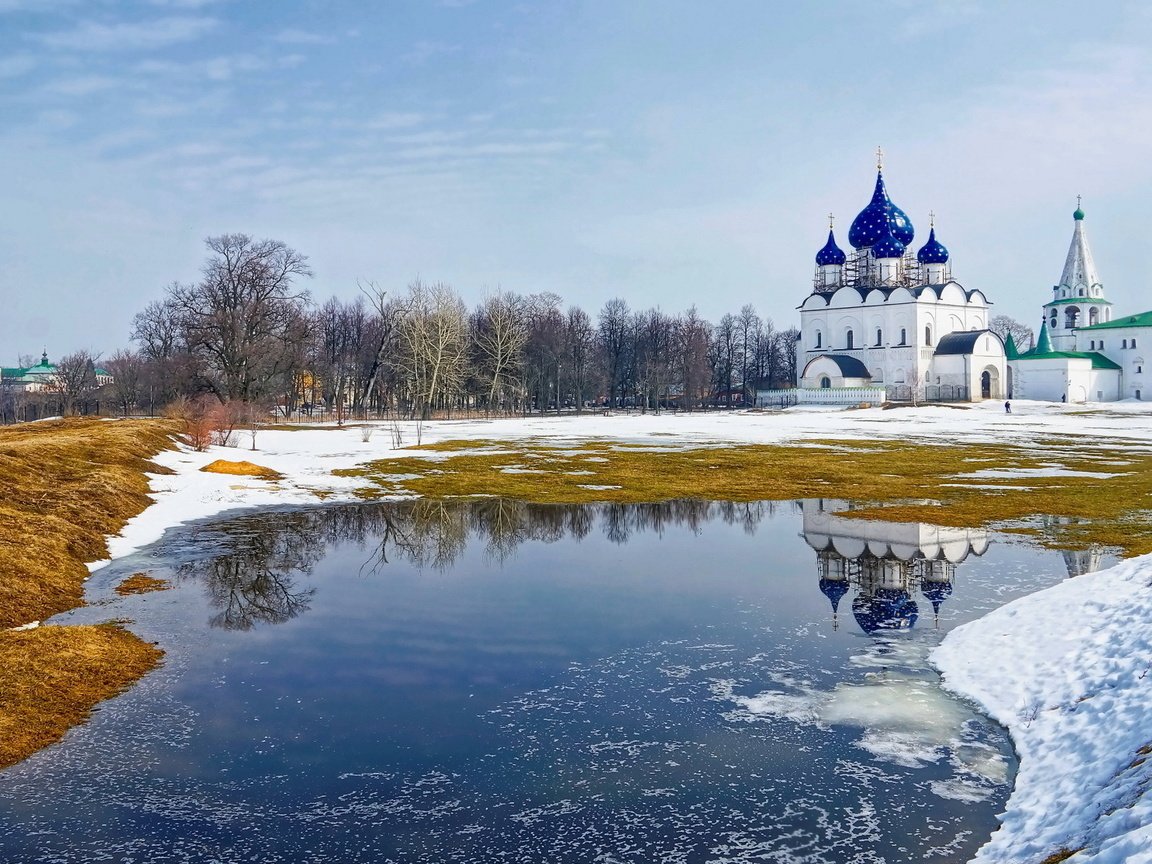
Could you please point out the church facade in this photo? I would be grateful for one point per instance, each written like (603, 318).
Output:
(883, 317)
(1084, 353)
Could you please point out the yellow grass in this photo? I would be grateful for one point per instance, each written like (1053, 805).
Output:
(241, 469)
(64, 486)
(896, 480)
(141, 583)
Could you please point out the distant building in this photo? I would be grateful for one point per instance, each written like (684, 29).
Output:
(883, 317)
(41, 377)
(1084, 353)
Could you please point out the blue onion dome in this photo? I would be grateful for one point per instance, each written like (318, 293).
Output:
(932, 252)
(831, 253)
(869, 225)
(888, 609)
(937, 593)
(1078, 214)
(887, 246)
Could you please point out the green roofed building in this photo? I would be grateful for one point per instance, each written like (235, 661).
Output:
(41, 377)
(1084, 353)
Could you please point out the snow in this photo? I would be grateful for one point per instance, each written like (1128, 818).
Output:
(1073, 690)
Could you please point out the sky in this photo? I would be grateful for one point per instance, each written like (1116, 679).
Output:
(668, 152)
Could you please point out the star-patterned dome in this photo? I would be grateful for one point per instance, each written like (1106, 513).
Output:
(887, 245)
(880, 214)
(831, 253)
(932, 252)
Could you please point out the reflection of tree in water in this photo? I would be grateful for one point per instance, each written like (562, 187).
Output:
(255, 560)
(253, 581)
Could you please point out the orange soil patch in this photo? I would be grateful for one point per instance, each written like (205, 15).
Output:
(241, 469)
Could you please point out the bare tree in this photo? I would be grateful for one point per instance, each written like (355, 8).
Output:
(433, 328)
(613, 337)
(500, 333)
(243, 314)
(127, 371)
(1004, 326)
(74, 380)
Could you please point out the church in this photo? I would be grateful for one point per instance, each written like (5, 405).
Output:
(885, 318)
(1083, 353)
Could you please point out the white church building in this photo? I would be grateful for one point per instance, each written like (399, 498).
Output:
(886, 318)
(1084, 352)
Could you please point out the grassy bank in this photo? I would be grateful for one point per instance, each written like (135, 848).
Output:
(64, 486)
(1050, 489)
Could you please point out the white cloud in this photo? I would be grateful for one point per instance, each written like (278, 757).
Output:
(146, 36)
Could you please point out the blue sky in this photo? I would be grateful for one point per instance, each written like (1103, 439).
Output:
(667, 152)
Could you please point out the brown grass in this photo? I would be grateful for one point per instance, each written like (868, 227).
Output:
(241, 469)
(64, 486)
(141, 583)
(54, 676)
(1062, 854)
(901, 481)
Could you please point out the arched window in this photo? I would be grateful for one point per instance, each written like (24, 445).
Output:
(825, 382)
(879, 337)
(1123, 343)
(1092, 345)
(1137, 394)
(928, 335)
(1081, 292)
(818, 339)
(1133, 342)
(903, 336)
(850, 340)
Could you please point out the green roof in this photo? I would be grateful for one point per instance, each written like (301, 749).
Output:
(1099, 301)
(1099, 361)
(1144, 319)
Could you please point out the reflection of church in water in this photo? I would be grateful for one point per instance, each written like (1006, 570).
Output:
(890, 564)
(894, 566)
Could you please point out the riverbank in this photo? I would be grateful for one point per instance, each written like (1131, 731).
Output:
(64, 487)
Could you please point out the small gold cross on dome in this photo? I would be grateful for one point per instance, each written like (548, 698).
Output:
(831, 219)
(879, 159)
(931, 218)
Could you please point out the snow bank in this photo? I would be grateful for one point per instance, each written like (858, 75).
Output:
(1069, 672)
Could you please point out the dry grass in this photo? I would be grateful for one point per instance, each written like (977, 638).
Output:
(241, 469)
(142, 583)
(903, 481)
(53, 676)
(64, 486)
(1062, 854)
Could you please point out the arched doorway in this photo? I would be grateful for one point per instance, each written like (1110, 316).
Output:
(825, 382)
(990, 383)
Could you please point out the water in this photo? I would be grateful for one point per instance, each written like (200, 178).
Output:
(501, 682)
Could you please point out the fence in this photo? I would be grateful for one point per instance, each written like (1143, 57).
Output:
(820, 396)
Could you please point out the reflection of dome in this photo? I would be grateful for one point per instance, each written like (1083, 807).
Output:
(937, 593)
(932, 252)
(880, 214)
(887, 609)
(831, 253)
(834, 590)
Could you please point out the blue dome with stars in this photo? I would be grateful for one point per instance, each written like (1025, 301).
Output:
(887, 246)
(880, 215)
(932, 252)
(831, 253)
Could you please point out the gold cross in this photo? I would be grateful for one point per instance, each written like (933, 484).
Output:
(931, 219)
(879, 159)
(831, 218)
(1077, 202)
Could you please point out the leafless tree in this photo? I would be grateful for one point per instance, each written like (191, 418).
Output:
(127, 371)
(500, 331)
(1005, 326)
(74, 381)
(244, 314)
(614, 342)
(433, 344)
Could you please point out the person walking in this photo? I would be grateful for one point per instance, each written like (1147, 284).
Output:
(1008, 407)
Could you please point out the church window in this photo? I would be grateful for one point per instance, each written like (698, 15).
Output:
(1092, 345)
(1137, 394)
(1124, 343)
(850, 340)
(1133, 342)
(879, 337)
(1081, 292)
(818, 339)
(903, 336)
(825, 382)
(927, 335)
(1101, 344)
(1139, 369)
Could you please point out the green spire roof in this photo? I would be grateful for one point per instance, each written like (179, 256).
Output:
(1043, 344)
(1010, 349)
(1078, 214)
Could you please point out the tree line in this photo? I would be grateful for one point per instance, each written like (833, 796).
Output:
(249, 332)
